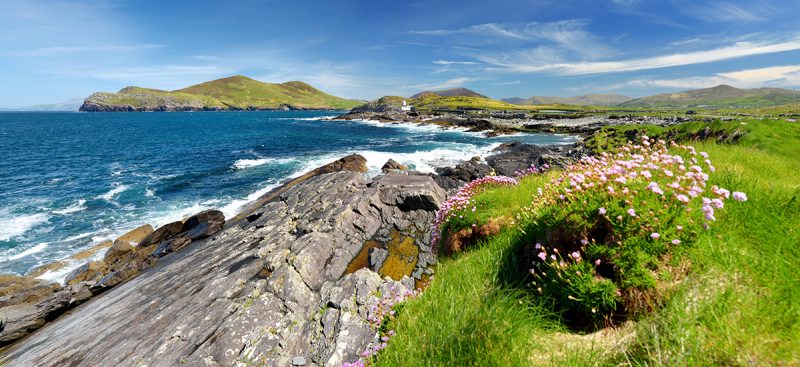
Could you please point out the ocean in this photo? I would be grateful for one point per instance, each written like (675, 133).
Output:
(71, 180)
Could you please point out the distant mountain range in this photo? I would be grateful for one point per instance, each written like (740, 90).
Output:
(719, 96)
(455, 92)
(71, 105)
(233, 93)
(584, 100)
(243, 93)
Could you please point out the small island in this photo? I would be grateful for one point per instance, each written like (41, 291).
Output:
(236, 93)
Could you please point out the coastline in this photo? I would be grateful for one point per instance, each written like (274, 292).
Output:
(393, 210)
(426, 159)
(86, 280)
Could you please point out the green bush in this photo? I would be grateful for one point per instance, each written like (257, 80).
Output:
(599, 233)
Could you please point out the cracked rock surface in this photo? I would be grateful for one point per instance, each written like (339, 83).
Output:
(290, 285)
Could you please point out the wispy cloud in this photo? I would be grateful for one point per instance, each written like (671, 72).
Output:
(737, 50)
(60, 50)
(568, 35)
(448, 62)
(508, 83)
(784, 76)
(723, 11)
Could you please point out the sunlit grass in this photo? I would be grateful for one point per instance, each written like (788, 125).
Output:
(739, 303)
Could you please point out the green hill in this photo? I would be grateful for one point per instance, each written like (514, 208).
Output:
(719, 96)
(454, 92)
(584, 100)
(430, 101)
(233, 93)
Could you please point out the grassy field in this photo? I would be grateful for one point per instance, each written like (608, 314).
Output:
(734, 299)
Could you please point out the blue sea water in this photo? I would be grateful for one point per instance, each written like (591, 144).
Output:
(71, 180)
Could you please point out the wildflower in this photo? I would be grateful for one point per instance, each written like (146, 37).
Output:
(739, 196)
(575, 255)
(631, 212)
(597, 262)
(538, 246)
(543, 256)
(619, 217)
(679, 227)
(655, 235)
(676, 242)
(602, 211)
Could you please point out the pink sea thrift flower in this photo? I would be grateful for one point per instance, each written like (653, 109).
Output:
(676, 242)
(631, 212)
(602, 211)
(655, 235)
(739, 196)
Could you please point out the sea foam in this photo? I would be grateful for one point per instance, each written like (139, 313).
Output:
(79, 206)
(24, 253)
(18, 225)
(249, 163)
(114, 192)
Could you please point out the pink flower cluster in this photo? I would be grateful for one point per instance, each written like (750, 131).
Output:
(639, 173)
(380, 313)
(532, 170)
(463, 200)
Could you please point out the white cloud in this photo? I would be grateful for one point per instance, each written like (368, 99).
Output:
(723, 11)
(508, 83)
(569, 35)
(737, 50)
(782, 76)
(448, 62)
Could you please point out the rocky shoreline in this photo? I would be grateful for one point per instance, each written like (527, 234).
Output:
(501, 123)
(292, 280)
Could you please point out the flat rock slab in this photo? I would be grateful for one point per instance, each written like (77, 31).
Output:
(271, 291)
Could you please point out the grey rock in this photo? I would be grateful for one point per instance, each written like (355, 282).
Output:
(392, 165)
(204, 230)
(171, 245)
(299, 361)
(90, 271)
(376, 258)
(258, 292)
(118, 251)
(164, 232)
(210, 216)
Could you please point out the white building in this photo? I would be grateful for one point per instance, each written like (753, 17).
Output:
(406, 107)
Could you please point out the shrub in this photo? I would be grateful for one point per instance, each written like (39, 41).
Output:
(598, 233)
(459, 211)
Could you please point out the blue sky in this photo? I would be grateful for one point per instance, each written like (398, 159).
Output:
(51, 51)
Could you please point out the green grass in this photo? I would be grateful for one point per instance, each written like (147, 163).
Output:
(737, 304)
(237, 92)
